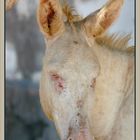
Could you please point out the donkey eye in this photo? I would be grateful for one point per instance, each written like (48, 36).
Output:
(55, 76)
(93, 83)
(58, 82)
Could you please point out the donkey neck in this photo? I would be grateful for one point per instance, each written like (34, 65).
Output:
(112, 86)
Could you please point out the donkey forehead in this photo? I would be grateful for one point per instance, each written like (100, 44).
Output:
(70, 53)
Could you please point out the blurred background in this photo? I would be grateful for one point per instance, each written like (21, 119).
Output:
(24, 53)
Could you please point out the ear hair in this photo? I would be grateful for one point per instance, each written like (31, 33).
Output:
(49, 17)
(99, 21)
(70, 13)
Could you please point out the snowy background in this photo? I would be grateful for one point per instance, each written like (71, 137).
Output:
(24, 53)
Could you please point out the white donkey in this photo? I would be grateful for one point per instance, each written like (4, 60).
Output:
(87, 79)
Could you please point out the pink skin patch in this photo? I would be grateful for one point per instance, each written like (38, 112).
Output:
(58, 82)
(84, 135)
(81, 135)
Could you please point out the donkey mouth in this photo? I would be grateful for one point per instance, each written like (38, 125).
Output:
(80, 133)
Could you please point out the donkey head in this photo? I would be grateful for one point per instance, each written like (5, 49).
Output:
(71, 65)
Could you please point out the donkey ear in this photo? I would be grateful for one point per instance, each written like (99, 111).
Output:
(99, 21)
(50, 18)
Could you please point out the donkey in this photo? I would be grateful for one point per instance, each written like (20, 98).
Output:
(87, 79)
(86, 87)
